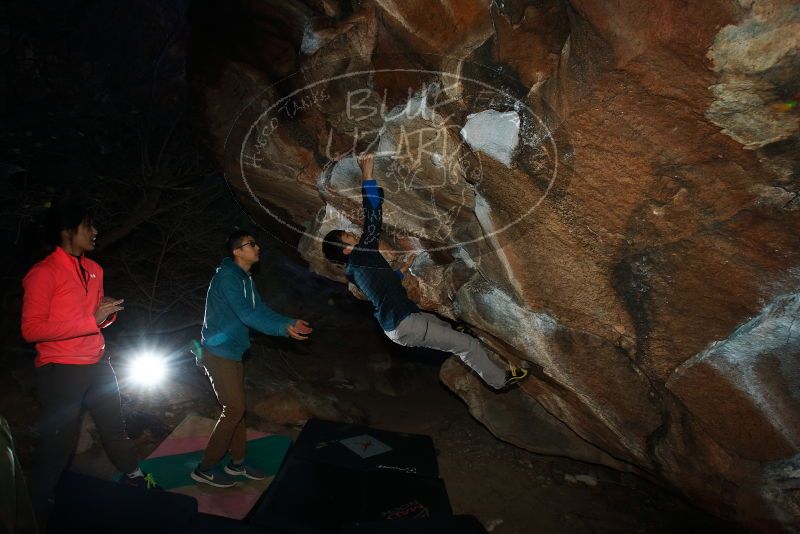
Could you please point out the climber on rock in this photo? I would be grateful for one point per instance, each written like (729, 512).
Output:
(399, 317)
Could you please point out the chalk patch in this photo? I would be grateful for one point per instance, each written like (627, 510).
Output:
(775, 331)
(484, 214)
(345, 178)
(494, 133)
(311, 41)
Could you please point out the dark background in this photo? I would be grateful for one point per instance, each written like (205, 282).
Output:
(95, 104)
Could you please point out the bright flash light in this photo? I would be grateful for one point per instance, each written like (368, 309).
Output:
(148, 370)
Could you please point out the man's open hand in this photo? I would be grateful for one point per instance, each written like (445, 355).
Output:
(299, 330)
(108, 306)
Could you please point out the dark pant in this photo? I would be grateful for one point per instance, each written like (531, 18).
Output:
(227, 378)
(63, 390)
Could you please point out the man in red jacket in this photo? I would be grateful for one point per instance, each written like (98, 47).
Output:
(63, 312)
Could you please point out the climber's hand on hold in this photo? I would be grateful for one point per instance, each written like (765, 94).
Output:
(407, 264)
(366, 162)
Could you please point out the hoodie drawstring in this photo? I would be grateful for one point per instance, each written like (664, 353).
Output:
(252, 291)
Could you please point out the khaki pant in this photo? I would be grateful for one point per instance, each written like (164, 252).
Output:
(227, 379)
(426, 330)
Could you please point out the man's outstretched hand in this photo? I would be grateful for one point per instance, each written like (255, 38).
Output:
(299, 330)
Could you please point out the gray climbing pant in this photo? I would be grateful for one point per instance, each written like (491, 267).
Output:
(426, 330)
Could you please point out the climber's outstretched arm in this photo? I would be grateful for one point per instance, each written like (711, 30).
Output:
(372, 199)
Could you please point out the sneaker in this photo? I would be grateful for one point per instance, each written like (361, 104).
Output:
(465, 329)
(144, 481)
(213, 477)
(244, 469)
(515, 375)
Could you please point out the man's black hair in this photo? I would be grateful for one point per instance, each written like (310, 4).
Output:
(235, 240)
(67, 214)
(333, 247)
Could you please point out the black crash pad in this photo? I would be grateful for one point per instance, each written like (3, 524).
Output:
(323, 441)
(86, 504)
(314, 497)
(458, 524)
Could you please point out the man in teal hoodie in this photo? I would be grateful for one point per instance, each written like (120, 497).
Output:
(233, 307)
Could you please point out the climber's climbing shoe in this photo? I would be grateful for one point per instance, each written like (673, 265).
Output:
(465, 329)
(515, 375)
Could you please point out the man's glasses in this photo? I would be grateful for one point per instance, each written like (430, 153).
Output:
(249, 243)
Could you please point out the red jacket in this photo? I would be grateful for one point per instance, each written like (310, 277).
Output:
(58, 310)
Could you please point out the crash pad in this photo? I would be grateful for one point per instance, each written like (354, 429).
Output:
(174, 459)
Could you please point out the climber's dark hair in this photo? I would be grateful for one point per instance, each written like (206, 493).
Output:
(67, 214)
(235, 240)
(333, 247)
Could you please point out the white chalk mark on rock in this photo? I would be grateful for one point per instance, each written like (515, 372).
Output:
(494, 133)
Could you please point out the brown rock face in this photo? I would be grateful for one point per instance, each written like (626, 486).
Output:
(606, 191)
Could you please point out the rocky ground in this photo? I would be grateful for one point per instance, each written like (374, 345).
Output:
(508, 489)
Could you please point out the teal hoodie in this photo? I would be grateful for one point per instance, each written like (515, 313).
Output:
(233, 306)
